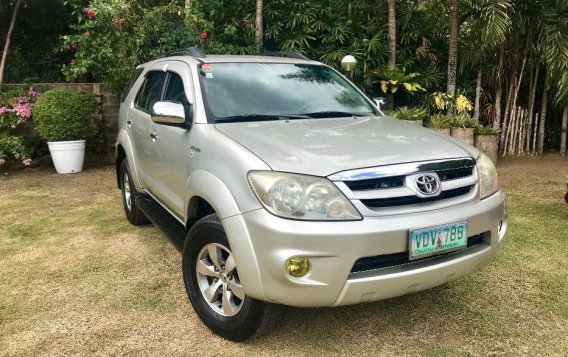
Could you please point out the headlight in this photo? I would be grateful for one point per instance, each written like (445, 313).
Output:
(301, 197)
(487, 176)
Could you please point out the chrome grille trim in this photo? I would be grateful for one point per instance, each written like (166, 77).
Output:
(455, 170)
(402, 169)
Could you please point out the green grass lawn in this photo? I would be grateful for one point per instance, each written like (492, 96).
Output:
(77, 279)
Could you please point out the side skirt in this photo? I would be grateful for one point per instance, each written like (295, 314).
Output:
(162, 219)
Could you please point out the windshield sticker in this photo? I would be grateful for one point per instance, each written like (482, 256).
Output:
(208, 75)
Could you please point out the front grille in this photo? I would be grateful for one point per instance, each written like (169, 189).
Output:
(392, 189)
(378, 183)
(391, 260)
(413, 200)
(454, 174)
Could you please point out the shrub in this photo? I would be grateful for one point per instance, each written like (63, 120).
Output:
(463, 121)
(64, 114)
(406, 113)
(486, 130)
(16, 107)
(439, 121)
(12, 149)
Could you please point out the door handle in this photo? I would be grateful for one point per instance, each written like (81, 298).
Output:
(154, 137)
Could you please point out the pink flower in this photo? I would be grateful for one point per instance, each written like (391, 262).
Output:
(73, 61)
(203, 35)
(2, 162)
(91, 13)
(4, 110)
(23, 110)
(27, 162)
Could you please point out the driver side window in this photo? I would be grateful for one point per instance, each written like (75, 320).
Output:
(175, 91)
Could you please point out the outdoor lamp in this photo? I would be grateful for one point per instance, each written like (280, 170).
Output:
(348, 64)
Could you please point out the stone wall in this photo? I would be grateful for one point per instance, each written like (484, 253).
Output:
(104, 140)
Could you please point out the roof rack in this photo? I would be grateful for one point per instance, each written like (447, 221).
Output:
(287, 54)
(190, 51)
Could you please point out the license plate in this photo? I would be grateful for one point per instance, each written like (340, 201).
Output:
(440, 239)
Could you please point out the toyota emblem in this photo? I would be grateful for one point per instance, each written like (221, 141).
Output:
(428, 184)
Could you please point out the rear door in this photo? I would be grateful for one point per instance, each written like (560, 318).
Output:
(140, 121)
(170, 145)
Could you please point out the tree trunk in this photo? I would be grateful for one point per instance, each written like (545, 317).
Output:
(259, 33)
(563, 131)
(532, 96)
(453, 51)
(392, 33)
(537, 115)
(476, 108)
(499, 90)
(8, 38)
(542, 126)
(508, 110)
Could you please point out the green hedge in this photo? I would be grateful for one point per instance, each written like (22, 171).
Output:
(64, 114)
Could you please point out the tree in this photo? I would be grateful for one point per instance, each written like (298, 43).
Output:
(392, 33)
(453, 50)
(8, 38)
(564, 131)
(259, 32)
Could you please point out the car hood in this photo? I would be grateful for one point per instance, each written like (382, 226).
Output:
(322, 147)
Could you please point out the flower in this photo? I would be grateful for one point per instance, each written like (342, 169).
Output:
(73, 61)
(92, 13)
(203, 35)
(2, 162)
(74, 46)
(4, 110)
(23, 110)
(119, 22)
(27, 162)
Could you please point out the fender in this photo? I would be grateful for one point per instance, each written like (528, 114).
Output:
(209, 187)
(124, 140)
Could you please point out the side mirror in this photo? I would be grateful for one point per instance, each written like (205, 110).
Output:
(168, 113)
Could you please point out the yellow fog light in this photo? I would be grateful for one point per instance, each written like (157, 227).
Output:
(298, 266)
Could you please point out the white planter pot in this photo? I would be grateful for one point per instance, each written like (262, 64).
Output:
(67, 156)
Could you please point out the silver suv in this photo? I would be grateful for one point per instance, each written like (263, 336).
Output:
(283, 184)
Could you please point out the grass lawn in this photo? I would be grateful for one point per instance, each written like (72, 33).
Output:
(77, 279)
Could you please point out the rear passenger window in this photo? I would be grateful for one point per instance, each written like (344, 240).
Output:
(151, 91)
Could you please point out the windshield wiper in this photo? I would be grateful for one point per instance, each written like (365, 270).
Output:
(335, 114)
(260, 117)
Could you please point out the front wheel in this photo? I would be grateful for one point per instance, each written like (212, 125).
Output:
(214, 288)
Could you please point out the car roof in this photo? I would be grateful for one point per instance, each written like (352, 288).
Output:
(232, 59)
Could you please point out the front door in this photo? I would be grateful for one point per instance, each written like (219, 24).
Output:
(170, 145)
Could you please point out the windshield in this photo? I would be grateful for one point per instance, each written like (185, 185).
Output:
(265, 91)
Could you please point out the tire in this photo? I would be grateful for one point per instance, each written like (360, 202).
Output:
(129, 195)
(227, 315)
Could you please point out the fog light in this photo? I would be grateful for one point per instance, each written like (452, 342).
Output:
(298, 266)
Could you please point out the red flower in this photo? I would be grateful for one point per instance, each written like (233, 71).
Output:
(91, 13)
(203, 35)
(73, 61)
(74, 46)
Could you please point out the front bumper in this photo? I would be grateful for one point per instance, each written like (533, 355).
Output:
(262, 243)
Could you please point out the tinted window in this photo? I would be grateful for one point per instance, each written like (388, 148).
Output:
(151, 90)
(245, 89)
(175, 91)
